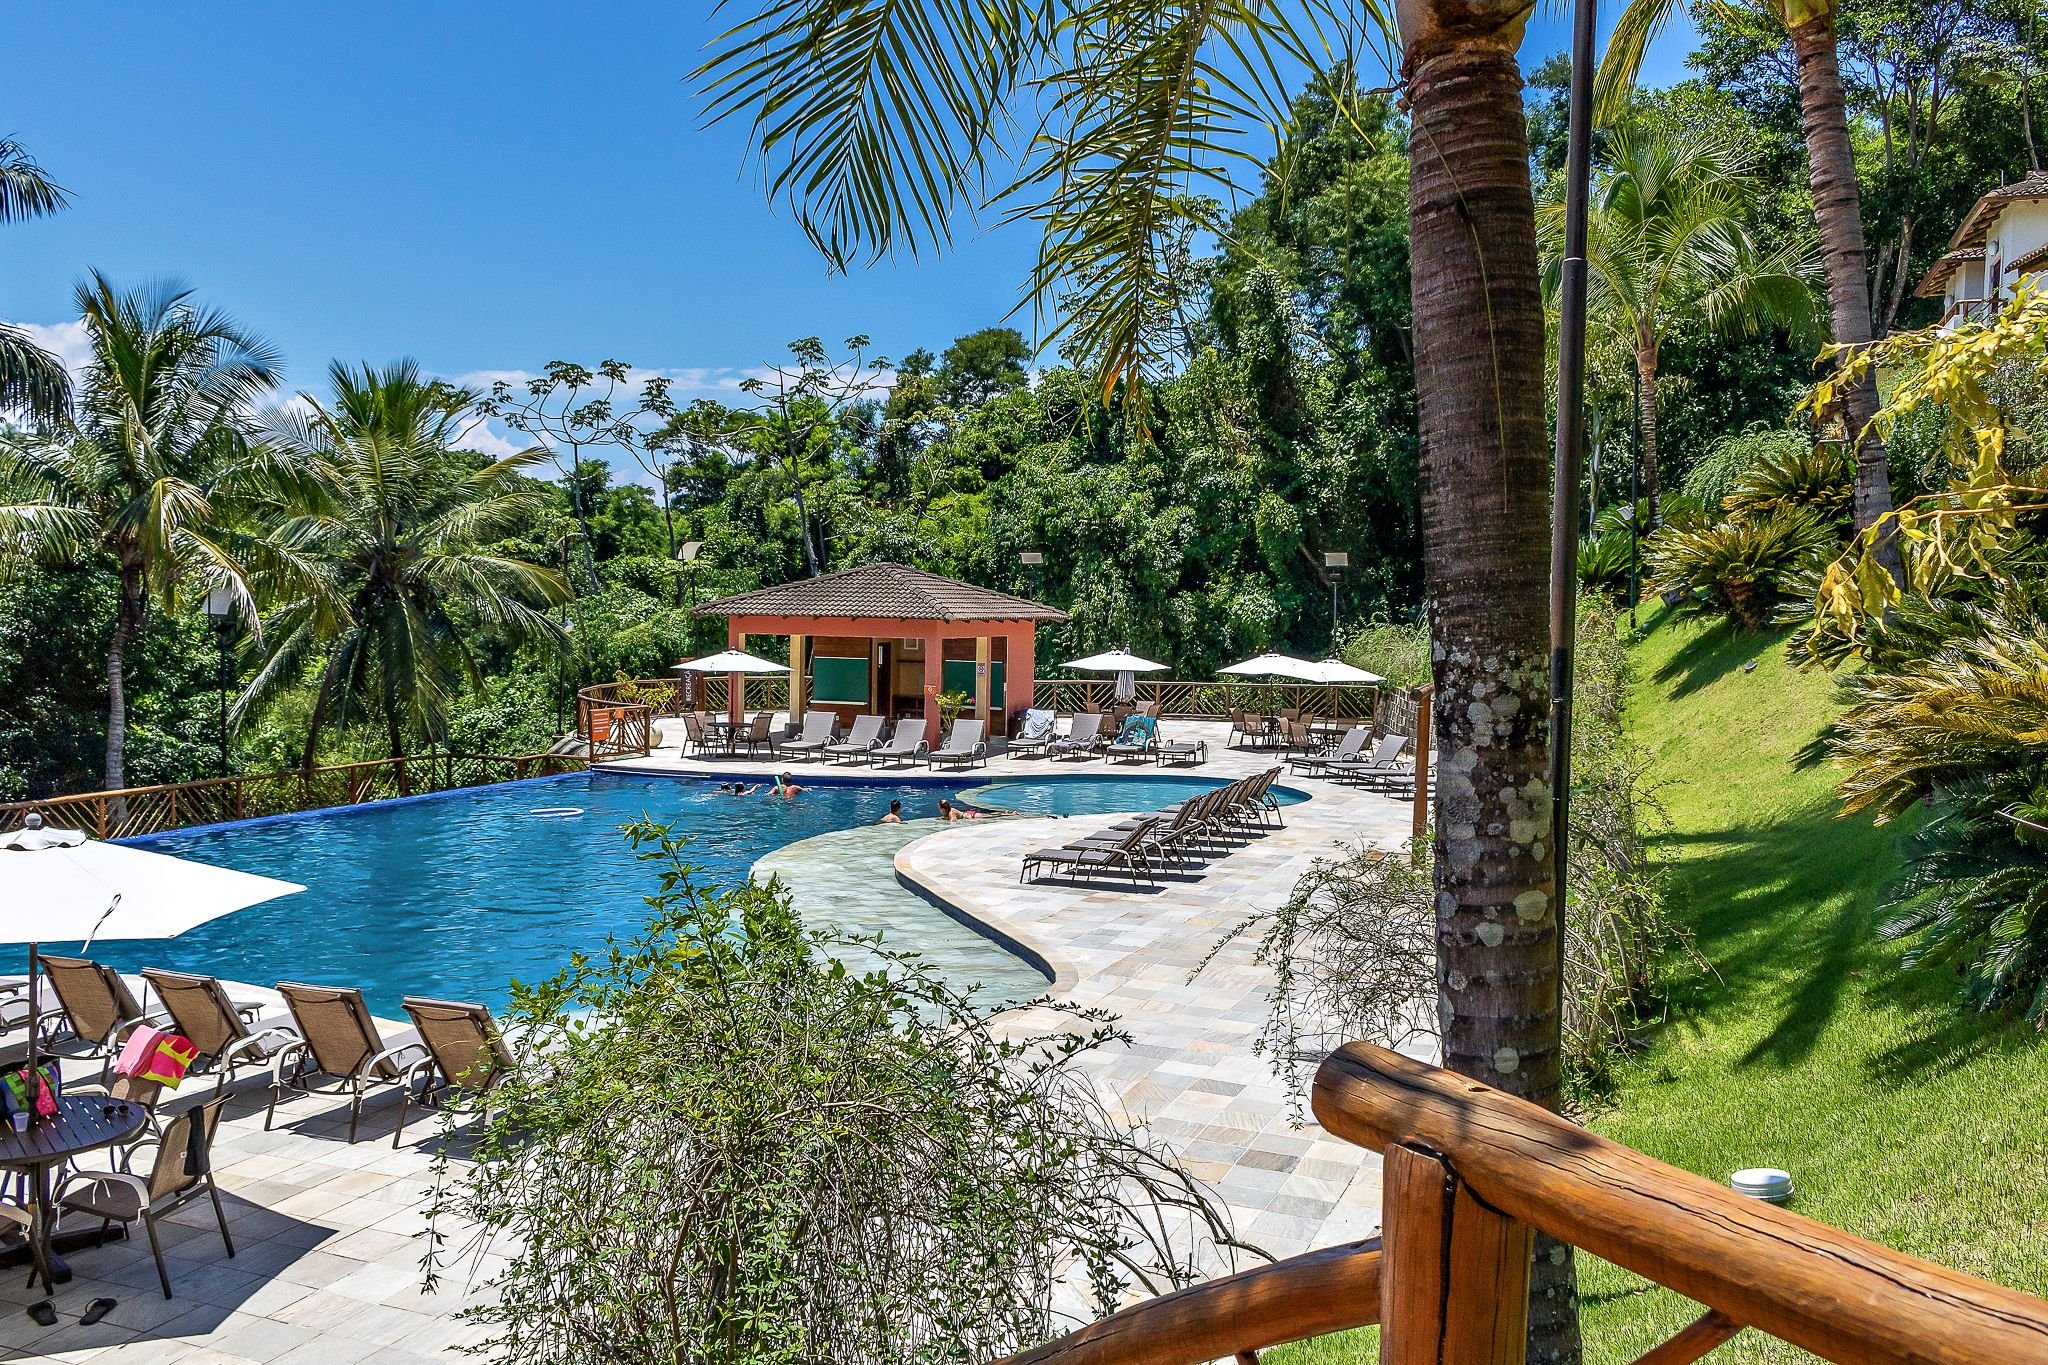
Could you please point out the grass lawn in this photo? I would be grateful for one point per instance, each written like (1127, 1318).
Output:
(1803, 1045)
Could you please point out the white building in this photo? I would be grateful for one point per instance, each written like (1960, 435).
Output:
(2003, 237)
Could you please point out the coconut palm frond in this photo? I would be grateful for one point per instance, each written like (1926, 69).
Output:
(33, 383)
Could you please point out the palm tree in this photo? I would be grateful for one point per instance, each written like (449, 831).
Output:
(1666, 234)
(1837, 204)
(148, 474)
(879, 123)
(32, 381)
(385, 594)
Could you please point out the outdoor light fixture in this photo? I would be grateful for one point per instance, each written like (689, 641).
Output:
(688, 550)
(1767, 1183)
(220, 611)
(1033, 558)
(1335, 562)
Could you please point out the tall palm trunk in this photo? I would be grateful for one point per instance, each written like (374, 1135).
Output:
(1838, 209)
(127, 624)
(1646, 417)
(1485, 504)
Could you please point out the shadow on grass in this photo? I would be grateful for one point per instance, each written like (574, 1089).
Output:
(1711, 655)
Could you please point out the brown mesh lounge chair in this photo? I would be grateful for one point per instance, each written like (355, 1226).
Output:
(760, 734)
(1126, 854)
(468, 1050)
(182, 1171)
(907, 743)
(1384, 763)
(95, 1004)
(1348, 749)
(227, 1035)
(865, 735)
(338, 1038)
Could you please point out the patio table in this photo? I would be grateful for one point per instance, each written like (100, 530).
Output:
(82, 1123)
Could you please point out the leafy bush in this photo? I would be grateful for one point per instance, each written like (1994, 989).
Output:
(1714, 476)
(1818, 479)
(1397, 651)
(1974, 901)
(1741, 569)
(732, 1148)
(1604, 560)
(1353, 951)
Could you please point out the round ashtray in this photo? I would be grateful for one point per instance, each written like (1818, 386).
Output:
(555, 812)
(1763, 1182)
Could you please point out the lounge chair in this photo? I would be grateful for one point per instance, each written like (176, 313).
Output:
(816, 734)
(339, 1038)
(1084, 736)
(181, 1172)
(907, 743)
(1035, 732)
(1181, 752)
(964, 747)
(95, 1004)
(1135, 740)
(761, 732)
(1126, 853)
(865, 735)
(227, 1035)
(468, 1051)
(1347, 751)
(1385, 760)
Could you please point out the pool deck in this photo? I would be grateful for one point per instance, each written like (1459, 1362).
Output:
(327, 1264)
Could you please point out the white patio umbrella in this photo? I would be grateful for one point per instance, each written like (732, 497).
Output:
(1274, 666)
(730, 661)
(1121, 662)
(58, 884)
(1337, 671)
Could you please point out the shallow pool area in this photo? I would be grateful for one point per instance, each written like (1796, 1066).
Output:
(457, 894)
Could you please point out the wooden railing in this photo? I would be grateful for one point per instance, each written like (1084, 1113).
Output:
(1471, 1174)
(178, 805)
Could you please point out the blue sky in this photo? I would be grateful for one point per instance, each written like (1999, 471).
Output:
(483, 187)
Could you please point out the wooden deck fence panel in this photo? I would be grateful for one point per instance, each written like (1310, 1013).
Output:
(136, 811)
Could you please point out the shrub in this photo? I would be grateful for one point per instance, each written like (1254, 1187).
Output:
(1397, 651)
(1714, 476)
(1818, 479)
(1604, 560)
(1974, 900)
(735, 1149)
(1741, 569)
(1353, 951)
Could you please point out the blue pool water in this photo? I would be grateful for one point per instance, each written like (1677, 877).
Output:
(456, 895)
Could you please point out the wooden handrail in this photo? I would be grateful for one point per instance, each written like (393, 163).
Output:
(1834, 1294)
(1303, 1296)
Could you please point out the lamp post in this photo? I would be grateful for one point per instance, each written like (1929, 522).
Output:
(1628, 517)
(686, 555)
(220, 614)
(1335, 562)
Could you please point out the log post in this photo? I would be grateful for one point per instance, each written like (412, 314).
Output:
(1456, 1278)
(1425, 702)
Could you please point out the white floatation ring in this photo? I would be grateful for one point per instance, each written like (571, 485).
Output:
(556, 812)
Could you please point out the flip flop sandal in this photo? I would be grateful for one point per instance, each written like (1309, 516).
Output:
(44, 1313)
(96, 1310)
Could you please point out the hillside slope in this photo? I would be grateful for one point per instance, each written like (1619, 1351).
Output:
(1802, 1044)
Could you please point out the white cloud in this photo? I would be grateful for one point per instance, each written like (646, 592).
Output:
(65, 340)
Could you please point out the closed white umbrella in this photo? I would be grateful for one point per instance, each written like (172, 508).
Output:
(58, 884)
(1121, 662)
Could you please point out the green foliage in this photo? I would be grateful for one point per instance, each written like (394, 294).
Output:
(1714, 475)
(1605, 559)
(1814, 477)
(728, 1146)
(1740, 569)
(1973, 902)
(1398, 651)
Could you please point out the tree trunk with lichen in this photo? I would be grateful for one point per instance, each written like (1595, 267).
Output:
(1479, 371)
(1838, 212)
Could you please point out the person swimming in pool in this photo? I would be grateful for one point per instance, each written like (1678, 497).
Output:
(740, 788)
(895, 815)
(785, 785)
(948, 812)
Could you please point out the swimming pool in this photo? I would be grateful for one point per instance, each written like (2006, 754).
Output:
(459, 893)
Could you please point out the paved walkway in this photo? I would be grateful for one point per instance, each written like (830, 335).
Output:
(327, 1264)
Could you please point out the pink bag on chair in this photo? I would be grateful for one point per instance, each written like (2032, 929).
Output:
(138, 1050)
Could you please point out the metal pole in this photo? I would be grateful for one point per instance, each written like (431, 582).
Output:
(1635, 488)
(222, 680)
(1571, 425)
